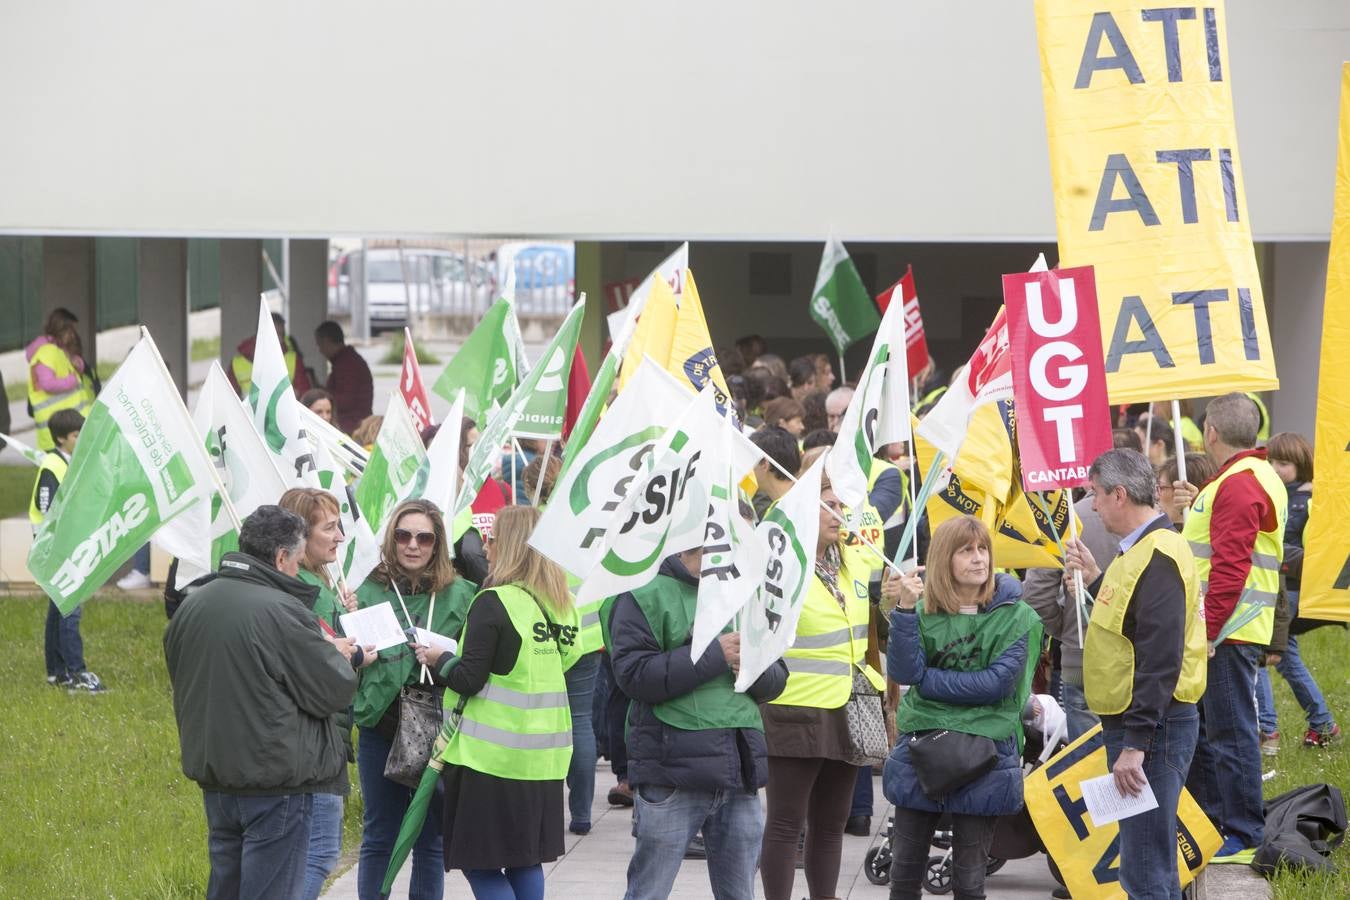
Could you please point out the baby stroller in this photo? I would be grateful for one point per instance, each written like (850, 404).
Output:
(1015, 836)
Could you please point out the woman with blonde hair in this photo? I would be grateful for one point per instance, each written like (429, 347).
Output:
(967, 645)
(417, 578)
(506, 763)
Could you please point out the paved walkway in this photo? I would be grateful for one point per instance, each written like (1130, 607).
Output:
(595, 866)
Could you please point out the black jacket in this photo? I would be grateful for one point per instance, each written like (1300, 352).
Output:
(711, 759)
(256, 687)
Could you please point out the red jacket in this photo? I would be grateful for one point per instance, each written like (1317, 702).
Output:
(352, 388)
(1241, 510)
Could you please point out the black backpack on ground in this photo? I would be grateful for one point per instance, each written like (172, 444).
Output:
(1303, 826)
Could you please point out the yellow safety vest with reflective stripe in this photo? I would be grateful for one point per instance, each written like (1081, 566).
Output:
(242, 367)
(831, 645)
(55, 463)
(1108, 657)
(865, 522)
(1263, 581)
(80, 397)
(591, 638)
(519, 725)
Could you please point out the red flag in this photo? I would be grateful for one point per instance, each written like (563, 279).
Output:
(915, 343)
(578, 386)
(1059, 379)
(411, 386)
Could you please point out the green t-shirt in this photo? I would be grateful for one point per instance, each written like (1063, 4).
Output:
(383, 679)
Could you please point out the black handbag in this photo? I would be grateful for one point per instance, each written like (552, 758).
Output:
(948, 760)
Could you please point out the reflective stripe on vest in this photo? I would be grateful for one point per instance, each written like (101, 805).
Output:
(830, 645)
(45, 405)
(1108, 657)
(519, 725)
(1253, 618)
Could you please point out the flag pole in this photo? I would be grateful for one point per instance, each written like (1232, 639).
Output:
(1148, 429)
(843, 377)
(515, 448)
(1077, 581)
(913, 489)
(1179, 449)
(543, 465)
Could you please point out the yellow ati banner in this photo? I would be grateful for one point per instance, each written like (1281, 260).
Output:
(1148, 190)
(1088, 857)
(1326, 565)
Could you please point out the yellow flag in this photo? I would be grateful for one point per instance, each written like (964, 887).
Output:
(1326, 565)
(691, 352)
(654, 334)
(1148, 190)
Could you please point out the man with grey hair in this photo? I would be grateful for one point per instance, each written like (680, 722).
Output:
(836, 404)
(1143, 663)
(256, 688)
(1235, 528)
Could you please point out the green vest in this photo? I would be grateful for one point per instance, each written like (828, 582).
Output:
(1254, 614)
(396, 666)
(982, 637)
(326, 604)
(519, 726)
(668, 605)
(55, 463)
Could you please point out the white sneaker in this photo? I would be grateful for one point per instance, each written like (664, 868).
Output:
(134, 581)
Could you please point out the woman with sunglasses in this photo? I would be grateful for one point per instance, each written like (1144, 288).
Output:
(417, 579)
(506, 763)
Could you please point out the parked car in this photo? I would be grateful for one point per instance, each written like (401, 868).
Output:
(544, 275)
(416, 281)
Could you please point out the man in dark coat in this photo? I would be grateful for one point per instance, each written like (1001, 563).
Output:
(696, 751)
(256, 688)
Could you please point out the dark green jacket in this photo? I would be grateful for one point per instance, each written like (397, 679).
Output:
(256, 687)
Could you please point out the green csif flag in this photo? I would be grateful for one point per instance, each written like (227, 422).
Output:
(484, 368)
(546, 405)
(840, 304)
(137, 465)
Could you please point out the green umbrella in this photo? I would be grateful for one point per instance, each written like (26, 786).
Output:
(417, 809)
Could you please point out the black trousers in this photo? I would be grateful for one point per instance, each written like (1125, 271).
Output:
(911, 844)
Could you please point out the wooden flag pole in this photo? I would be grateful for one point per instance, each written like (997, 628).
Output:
(1179, 449)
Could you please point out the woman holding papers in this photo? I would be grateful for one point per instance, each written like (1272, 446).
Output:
(416, 578)
(966, 645)
(506, 763)
(806, 727)
(320, 512)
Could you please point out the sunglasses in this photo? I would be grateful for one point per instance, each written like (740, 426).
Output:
(402, 537)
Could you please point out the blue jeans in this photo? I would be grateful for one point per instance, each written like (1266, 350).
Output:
(1148, 841)
(386, 801)
(1226, 772)
(525, 883)
(140, 560)
(581, 771)
(63, 645)
(1301, 682)
(666, 820)
(325, 843)
(257, 845)
(1081, 720)
(862, 793)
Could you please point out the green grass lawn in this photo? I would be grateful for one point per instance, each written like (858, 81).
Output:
(393, 356)
(205, 348)
(95, 803)
(16, 490)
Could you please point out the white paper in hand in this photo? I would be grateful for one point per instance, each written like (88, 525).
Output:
(374, 625)
(435, 641)
(1106, 805)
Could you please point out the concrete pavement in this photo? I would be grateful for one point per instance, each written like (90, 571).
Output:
(595, 866)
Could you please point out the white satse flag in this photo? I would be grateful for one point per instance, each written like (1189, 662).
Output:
(395, 467)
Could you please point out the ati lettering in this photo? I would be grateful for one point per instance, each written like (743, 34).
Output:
(663, 491)
(1136, 199)
(565, 635)
(1120, 56)
(1134, 317)
(98, 545)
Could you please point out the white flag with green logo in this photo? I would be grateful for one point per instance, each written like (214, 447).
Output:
(877, 415)
(600, 471)
(503, 423)
(276, 412)
(360, 551)
(137, 465)
(345, 451)
(392, 474)
(733, 558)
(546, 405)
(788, 536)
(442, 460)
(243, 465)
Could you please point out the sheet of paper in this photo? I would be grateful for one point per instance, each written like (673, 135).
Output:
(374, 625)
(1106, 805)
(438, 641)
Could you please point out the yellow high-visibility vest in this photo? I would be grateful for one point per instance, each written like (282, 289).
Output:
(44, 404)
(55, 463)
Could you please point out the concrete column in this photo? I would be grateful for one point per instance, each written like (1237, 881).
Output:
(163, 302)
(1300, 282)
(309, 300)
(240, 288)
(68, 279)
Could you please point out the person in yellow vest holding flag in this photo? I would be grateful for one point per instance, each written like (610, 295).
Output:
(506, 762)
(1144, 663)
(811, 777)
(58, 375)
(63, 646)
(241, 365)
(1235, 528)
